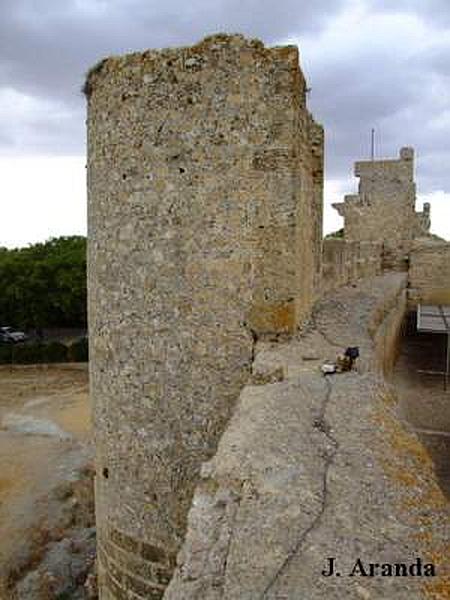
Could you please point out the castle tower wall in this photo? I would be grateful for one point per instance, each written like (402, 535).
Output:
(384, 207)
(203, 189)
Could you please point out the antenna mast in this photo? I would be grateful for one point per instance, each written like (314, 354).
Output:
(372, 144)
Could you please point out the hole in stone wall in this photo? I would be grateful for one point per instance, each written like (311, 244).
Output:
(105, 472)
(182, 170)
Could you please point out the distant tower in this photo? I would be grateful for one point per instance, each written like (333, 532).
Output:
(384, 208)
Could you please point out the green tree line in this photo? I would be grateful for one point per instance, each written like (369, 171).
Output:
(44, 285)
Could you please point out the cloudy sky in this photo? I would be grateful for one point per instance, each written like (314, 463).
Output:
(369, 63)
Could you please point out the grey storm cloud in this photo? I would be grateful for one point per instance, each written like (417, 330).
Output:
(438, 59)
(46, 47)
(389, 72)
(435, 11)
(361, 77)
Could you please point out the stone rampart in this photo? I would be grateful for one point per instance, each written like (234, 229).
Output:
(344, 262)
(205, 187)
(312, 467)
(205, 190)
(429, 273)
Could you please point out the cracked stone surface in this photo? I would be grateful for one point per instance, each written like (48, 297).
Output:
(313, 467)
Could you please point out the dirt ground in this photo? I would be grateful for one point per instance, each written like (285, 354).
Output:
(45, 444)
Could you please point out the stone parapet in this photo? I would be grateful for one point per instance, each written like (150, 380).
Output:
(429, 273)
(344, 262)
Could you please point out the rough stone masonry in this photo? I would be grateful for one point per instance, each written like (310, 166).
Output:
(205, 174)
(383, 210)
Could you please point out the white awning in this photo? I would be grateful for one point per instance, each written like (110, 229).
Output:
(433, 318)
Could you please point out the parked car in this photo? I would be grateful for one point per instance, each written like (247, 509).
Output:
(10, 335)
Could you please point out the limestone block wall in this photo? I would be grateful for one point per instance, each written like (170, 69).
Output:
(429, 273)
(204, 189)
(344, 262)
(396, 255)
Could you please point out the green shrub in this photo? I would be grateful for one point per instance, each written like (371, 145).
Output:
(54, 352)
(33, 353)
(78, 351)
(27, 354)
(339, 234)
(27, 275)
(5, 353)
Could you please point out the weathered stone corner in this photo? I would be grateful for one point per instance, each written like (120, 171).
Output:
(205, 174)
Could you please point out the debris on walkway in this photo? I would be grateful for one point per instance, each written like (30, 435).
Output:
(344, 362)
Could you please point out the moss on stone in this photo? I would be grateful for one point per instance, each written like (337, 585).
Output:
(90, 76)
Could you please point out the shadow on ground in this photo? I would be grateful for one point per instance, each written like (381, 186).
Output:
(424, 403)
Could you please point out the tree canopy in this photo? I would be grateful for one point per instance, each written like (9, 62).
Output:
(44, 285)
(339, 234)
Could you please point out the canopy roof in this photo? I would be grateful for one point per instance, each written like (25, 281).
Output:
(433, 318)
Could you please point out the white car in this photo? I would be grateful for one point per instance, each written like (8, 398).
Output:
(9, 334)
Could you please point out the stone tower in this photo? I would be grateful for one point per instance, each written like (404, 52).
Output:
(383, 209)
(205, 174)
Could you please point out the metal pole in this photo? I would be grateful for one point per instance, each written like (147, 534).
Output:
(372, 147)
(447, 328)
(447, 368)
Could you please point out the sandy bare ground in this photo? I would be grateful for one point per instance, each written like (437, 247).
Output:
(44, 442)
